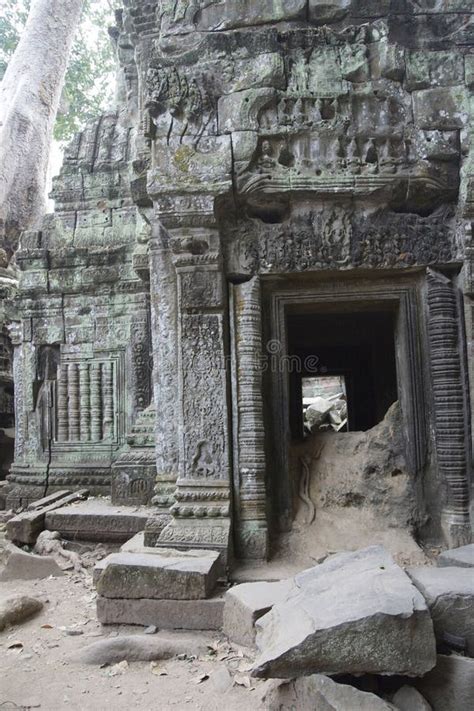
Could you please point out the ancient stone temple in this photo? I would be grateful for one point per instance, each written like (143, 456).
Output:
(283, 193)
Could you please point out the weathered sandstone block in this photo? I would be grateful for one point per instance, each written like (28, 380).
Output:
(135, 575)
(355, 613)
(164, 614)
(319, 692)
(16, 564)
(246, 603)
(449, 593)
(462, 557)
(450, 685)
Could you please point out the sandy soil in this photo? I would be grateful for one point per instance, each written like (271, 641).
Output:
(37, 674)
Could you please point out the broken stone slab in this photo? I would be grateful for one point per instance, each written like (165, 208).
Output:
(97, 520)
(139, 648)
(319, 692)
(164, 614)
(157, 577)
(355, 613)
(449, 593)
(25, 527)
(409, 699)
(15, 609)
(450, 685)
(16, 564)
(462, 557)
(246, 603)
(48, 500)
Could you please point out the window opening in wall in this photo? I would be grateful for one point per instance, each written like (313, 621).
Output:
(324, 399)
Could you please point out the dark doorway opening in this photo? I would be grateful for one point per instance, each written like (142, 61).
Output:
(356, 346)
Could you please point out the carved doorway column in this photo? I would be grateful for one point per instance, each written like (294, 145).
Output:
(451, 411)
(164, 321)
(252, 530)
(201, 514)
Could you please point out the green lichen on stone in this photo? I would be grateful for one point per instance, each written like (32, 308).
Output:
(183, 157)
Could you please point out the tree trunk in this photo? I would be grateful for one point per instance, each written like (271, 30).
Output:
(29, 100)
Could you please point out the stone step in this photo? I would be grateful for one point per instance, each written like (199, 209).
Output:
(25, 527)
(98, 520)
(169, 576)
(164, 614)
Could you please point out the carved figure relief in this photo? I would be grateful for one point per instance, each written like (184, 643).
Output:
(203, 462)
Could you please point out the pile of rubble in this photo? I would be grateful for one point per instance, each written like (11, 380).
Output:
(321, 413)
(395, 639)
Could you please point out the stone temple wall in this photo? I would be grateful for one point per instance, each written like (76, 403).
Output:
(262, 154)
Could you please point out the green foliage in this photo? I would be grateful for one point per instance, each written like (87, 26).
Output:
(89, 84)
(13, 16)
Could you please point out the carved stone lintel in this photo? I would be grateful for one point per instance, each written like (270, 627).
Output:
(452, 437)
(251, 534)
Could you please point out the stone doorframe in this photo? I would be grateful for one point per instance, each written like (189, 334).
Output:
(403, 293)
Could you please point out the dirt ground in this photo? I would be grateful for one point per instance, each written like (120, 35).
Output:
(35, 672)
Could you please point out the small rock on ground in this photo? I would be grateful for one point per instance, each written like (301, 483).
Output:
(409, 699)
(15, 609)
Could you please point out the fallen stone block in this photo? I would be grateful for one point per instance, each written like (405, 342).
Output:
(450, 685)
(139, 648)
(164, 614)
(449, 593)
(49, 543)
(409, 699)
(16, 564)
(355, 613)
(246, 603)
(25, 527)
(462, 557)
(319, 692)
(15, 609)
(97, 520)
(48, 500)
(157, 577)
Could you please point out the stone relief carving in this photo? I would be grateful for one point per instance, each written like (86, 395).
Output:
(341, 238)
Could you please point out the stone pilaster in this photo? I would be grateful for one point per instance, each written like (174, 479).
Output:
(252, 531)
(201, 513)
(73, 402)
(450, 408)
(84, 389)
(96, 402)
(62, 388)
(164, 327)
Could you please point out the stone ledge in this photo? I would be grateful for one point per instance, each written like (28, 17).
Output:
(164, 614)
(158, 577)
